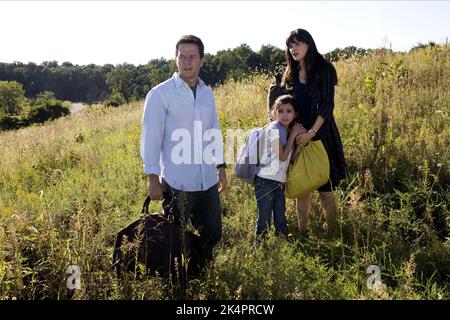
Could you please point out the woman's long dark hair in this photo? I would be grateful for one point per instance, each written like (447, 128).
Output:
(315, 64)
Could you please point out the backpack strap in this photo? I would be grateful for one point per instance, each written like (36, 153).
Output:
(257, 153)
(262, 138)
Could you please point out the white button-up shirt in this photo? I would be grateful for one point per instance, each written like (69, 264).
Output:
(177, 142)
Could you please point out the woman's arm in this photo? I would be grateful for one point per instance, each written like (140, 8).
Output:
(326, 108)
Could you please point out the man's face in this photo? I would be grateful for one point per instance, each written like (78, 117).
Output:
(189, 61)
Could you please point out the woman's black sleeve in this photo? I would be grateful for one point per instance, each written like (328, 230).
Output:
(326, 106)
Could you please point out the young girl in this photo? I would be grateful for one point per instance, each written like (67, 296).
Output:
(279, 139)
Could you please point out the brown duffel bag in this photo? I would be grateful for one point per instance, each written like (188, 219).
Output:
(159, 244)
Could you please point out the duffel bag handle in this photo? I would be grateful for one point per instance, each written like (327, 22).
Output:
(145, 209)
(145, 206)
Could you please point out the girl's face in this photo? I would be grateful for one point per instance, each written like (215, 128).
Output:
(298, 50)
(285, 114)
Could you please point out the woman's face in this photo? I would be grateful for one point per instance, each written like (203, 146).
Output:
(298, 50)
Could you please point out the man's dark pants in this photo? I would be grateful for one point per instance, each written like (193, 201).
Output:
(202, 208)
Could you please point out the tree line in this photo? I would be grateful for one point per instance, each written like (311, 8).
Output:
(115, 85)
(34, 93)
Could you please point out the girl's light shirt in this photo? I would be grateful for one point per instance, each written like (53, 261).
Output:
(272, 167)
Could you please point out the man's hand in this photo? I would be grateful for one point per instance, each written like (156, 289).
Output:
(155, 189)
(222, 179)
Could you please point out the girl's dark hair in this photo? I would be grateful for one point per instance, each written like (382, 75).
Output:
(191, 39)
(315, 64)
(284, 99)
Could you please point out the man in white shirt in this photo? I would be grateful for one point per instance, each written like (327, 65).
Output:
(180, 129)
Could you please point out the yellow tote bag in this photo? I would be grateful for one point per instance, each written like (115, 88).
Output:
(310, 170)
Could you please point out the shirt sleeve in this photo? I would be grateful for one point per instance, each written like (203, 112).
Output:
(283, 134)
(153, 127)
(326, 106)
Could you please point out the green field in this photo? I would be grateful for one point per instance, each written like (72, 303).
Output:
(68, 186)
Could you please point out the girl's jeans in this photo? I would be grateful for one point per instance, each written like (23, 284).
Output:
(270, 198)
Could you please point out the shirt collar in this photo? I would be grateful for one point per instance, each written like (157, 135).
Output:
(278, 124)
(178, 81)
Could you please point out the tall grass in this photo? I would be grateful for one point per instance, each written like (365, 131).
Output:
(68, 186)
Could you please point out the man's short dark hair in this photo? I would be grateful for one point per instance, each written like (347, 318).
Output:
(191, 39)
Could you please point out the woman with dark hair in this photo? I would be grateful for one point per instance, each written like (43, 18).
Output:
(311, 80)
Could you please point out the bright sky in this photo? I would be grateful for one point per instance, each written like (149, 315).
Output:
(101, 32)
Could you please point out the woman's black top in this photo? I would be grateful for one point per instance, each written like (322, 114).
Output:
(303, 97)
(316, 100)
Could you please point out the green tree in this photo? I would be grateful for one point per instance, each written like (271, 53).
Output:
(46, 107)
(346, 53)
(271, 58)
(159, 70)
(115, 99)
(120, 78)
(12, 97)
(421, 45)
